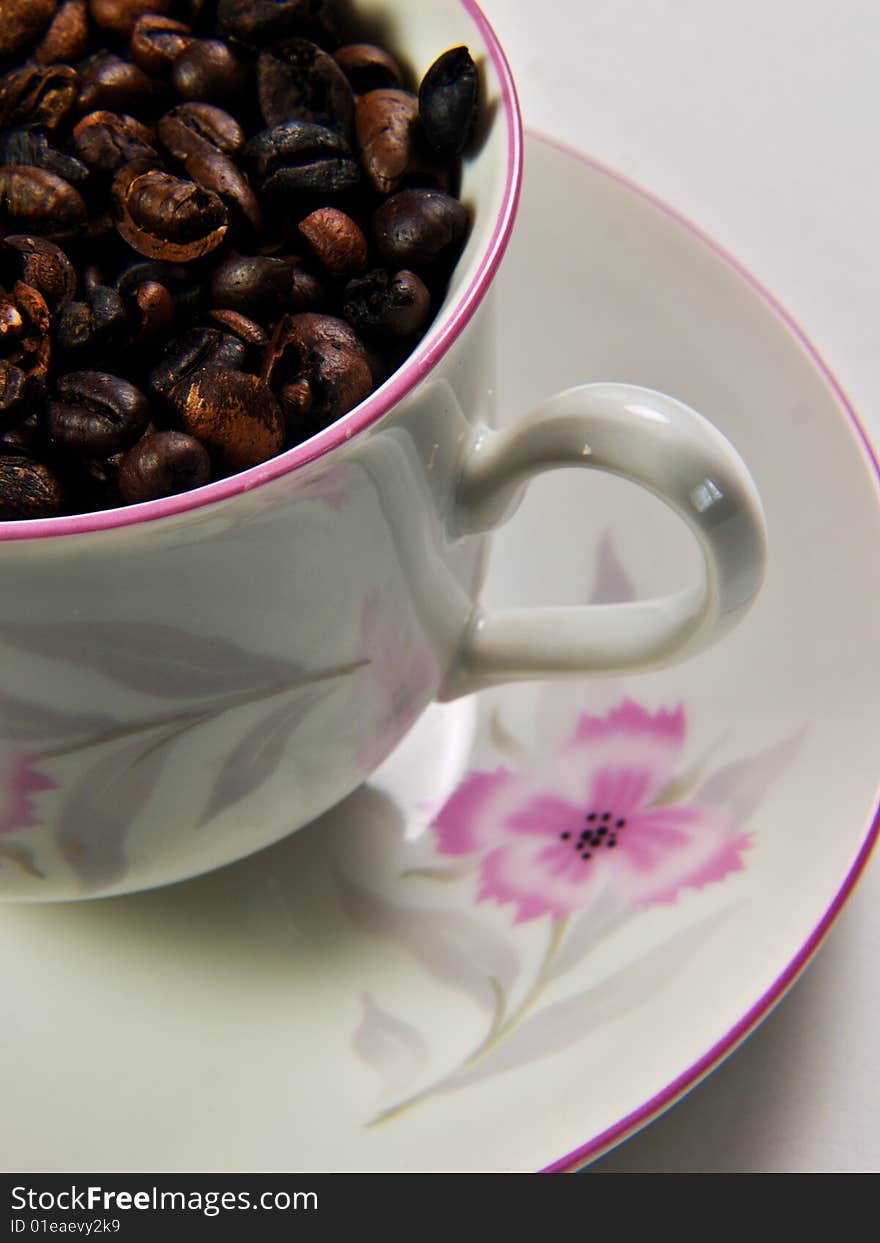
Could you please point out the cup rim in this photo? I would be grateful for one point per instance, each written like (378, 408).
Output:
(374, 407)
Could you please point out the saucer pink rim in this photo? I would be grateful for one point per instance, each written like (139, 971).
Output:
(374, 407)
(635, 1121)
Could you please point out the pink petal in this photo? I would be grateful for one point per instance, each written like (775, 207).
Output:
(542, 878)
(545, 815)
(663, 850)
(465, 822)
(628, 756)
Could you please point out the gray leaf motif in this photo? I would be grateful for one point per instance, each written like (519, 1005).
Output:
(564, 1023)
(23, 722)
(260, 752)
(740, 787)
(395, 1050)
(104, 802)
(159, 660)
(22, 857)
(453, 947)
(604, 916)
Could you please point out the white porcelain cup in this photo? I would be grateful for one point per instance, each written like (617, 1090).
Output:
(187, 681)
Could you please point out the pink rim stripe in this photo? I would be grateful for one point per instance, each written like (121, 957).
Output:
(680, 1086)
(375, 406)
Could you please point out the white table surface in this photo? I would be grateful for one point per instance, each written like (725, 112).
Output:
(759, 120)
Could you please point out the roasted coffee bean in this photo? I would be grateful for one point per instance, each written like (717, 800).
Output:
(193, 352)
(157, 41)
(37, 95)
(299, 82)
(22, 21)
(320, 369)
(67, 36)
(206, 70)
(94, 414)
(233, 414)
(210, 168)
(163, 217)
(203, 121)
(162, 464)
(40, 264)
(262, 285)
(121, 15)
(31, 147)
(94, 323)
(25, 342)
(109, 83)
(150, 311)
(28, 489)
(262, 22)
(368, 67)
(417, 228)
(383, 304)
(105, 141)
(240, 326)
(337, 241)
(387, 133)
(23, 439)
(188, 290)
(300, 157)
(13, 391)
(448, 98)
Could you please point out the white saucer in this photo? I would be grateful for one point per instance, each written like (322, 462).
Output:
(345, 1001)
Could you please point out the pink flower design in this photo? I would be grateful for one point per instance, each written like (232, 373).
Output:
(402, 673)
(18, 781)
(589, 818)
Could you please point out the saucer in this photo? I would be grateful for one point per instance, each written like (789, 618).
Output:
(420, 980)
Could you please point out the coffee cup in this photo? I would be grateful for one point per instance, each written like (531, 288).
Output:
(189, 680)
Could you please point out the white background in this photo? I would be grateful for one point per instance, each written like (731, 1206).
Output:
(759, 120)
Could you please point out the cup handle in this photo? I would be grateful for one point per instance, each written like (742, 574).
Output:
(652, 440)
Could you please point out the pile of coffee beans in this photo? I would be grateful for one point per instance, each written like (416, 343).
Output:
(222, 225)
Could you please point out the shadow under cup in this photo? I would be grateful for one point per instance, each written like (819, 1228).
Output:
(187, 681)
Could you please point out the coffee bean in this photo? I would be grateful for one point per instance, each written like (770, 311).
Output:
(23, 438)
(368, 67)
(94, 414)
(298, 81)
(299, 158)
(150, 312)
(210, 168)
(383, 304)
(417, 228)
(92, 324)
(233, 414)
(448, 98)
(317, 364)
(67, 36)
(31, 147)
(205, 121)
(22, 21)
(40, 264)
(387, 132)
(206, 70)
(262, 22)
(25, 342)
(109, 83)
(28, 489)
(157, 41)
(193, 352)
(121, 15)
(106, 141)
(337, 241)
(162, 464)
(163, 217)
(253, 284)
(37, 95)
(240, 326)
(182, 282)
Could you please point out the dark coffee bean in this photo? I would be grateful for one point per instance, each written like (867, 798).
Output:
(22, 21)
(157, 41)
(188, 291)
(299, 82)
(386, 305)
(263, 22)
(193, 352)
(417, 228)
(387, 134)
(94, 414)
(15, 392)
(368, 67)
(210, 168)
(150, 311)
(23, 439)
(31, 147)
(67, 36)
(25, 342)
(259, 285)
(42, 265)
(299, 158)
(109, 83)
(448, 98)
(105, 141)
(233, 414)
(28, 489)
(205, 121)
(94, 323)
(316, 362)
(240, 326)
(207, 70)
(162, 464)
(37, 95)
(337, 241)
(163, 217)
(121, 15)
